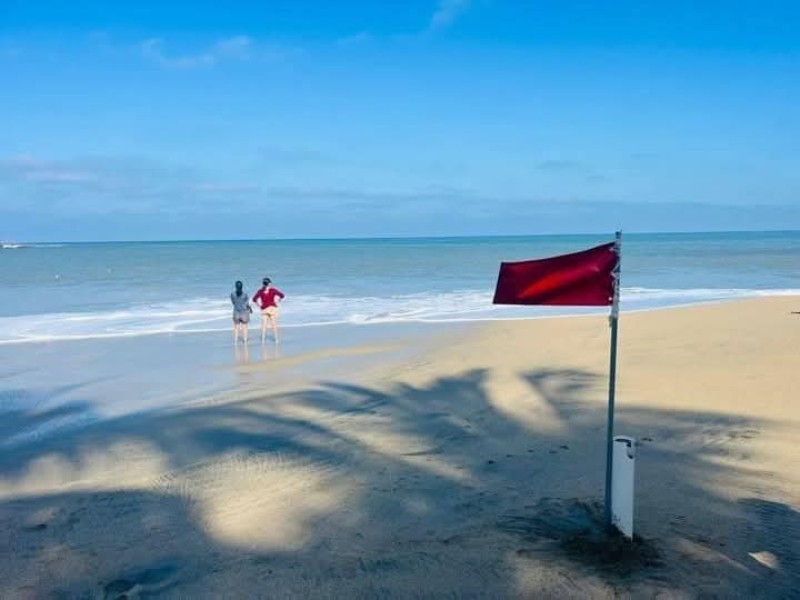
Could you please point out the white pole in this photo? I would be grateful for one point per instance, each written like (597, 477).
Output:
(612, 379)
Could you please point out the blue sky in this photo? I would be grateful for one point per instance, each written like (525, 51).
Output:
(293, 118)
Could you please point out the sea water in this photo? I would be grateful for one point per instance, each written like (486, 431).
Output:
(57, 292)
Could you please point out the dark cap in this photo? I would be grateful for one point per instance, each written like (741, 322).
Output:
(266, 281)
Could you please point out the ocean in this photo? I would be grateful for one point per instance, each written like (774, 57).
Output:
(98, 331)
(58, 292)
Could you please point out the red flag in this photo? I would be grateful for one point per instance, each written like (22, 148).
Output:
(579, 279)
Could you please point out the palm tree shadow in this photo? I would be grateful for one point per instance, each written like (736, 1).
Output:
(440, 487)
(680, 454)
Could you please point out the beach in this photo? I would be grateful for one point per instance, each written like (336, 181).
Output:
(442, 299)
(464, 463)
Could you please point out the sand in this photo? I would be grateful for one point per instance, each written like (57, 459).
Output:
(469, 468)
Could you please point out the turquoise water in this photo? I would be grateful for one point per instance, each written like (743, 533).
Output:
(54, 292)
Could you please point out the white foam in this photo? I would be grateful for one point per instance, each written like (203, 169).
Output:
(17, 246)
(694, 294)
(207, 314)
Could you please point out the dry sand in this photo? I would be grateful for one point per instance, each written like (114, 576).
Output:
(470, 470)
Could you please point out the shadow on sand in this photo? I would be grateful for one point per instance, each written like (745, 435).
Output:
(438, 493)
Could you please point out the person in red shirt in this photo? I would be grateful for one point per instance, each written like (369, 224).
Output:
(267, 299)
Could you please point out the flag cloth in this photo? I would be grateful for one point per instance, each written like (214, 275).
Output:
(581, 279)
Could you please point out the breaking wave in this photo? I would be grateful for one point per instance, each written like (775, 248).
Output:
(206, 314)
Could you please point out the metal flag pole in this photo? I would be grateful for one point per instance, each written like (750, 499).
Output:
(613, 320)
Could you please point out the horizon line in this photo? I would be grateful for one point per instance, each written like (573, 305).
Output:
(398, 237)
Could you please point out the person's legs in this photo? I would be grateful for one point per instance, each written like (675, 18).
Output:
(264, 317)
(271, 313)
(235, 330)
(274, 322)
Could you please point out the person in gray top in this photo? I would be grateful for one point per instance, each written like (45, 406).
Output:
(241, 312)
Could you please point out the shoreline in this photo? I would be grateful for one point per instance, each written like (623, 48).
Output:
(112, 378)
(515, 313)
(435, 469)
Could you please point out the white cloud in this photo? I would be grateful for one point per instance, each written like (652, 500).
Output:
(296, 154)
(226, 188)
(101, 185)
(19, 161)
(61, 176)
(27, 168)
(116, 191)
(362, 37)
(447, 11)
(234, 48)
(560, 164)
